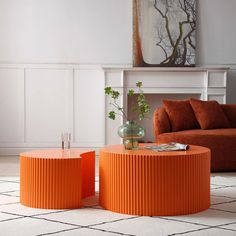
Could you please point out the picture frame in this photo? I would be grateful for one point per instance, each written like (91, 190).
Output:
(164, 33)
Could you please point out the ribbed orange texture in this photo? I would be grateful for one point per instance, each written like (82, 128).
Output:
(56, 179)
(146, 182)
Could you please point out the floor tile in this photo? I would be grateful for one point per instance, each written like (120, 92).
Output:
(9, 166)
(226, 207)
(23, 210)
(225, 192)
(219, 200)
(217, 186)
(9, 186)
(223, 178)
(209, 217)
(12, 193)
(4, 217)
(8, 199)
(30, 227)
(85, 216)
(210, 232)
(148, 226)
(231, 226)
(85, 232)
(10, 178)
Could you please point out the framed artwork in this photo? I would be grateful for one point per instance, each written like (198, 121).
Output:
(164, 32)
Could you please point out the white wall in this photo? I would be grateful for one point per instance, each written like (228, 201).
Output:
(66, 31)
(216, 33)
(216, 37)
(100, 31)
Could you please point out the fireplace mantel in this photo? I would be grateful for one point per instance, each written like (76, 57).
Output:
(166, 69)
(206, 83)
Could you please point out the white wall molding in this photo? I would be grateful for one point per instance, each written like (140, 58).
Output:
(38, 102)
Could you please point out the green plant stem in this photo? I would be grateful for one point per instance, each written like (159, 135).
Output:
(116, 105)
(142, 107)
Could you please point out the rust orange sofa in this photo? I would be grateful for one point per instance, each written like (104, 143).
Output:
(221, 141)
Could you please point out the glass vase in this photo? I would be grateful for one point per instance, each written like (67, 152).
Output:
(131, 133)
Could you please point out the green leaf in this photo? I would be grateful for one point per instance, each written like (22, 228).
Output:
(108, 90)
(115, 94)
(112, 115)
(141, 108)
(131, 92)
(142, 105)
(139, 84)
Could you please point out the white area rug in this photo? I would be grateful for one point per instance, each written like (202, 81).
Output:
(17, 220)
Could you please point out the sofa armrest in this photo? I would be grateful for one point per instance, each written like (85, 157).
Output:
(161, 123)
(230, 112)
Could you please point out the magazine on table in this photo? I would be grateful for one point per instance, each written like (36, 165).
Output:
(166, 147)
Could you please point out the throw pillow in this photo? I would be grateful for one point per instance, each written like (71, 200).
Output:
(209, 114)
(161, 121)
(230, 112)
(181, 115)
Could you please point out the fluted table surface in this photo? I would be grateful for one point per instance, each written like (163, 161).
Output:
(147, 182)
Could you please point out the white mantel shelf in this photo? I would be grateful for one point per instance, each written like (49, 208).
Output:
(167, 69)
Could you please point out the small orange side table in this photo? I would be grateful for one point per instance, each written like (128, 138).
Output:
(147, 182)
(56, 179)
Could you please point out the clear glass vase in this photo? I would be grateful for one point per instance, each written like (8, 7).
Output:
(131, 132)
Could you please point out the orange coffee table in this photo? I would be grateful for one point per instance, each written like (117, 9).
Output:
(147, 182)
(56, 179)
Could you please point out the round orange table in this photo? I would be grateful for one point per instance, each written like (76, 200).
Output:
(56, 179)
(147, 182)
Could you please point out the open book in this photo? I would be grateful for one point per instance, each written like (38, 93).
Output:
(166, 147)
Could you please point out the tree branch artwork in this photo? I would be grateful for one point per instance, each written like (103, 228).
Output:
(173, 29)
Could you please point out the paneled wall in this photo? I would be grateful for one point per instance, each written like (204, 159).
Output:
(38, 103)
(12, 106)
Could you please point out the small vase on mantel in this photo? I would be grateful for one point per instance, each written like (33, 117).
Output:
(131, 132)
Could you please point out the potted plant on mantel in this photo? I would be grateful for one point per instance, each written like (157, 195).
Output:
(131, 131)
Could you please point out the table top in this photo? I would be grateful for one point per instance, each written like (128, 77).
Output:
(119, 149)
(55, 153)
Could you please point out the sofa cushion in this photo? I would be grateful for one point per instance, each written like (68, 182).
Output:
(209, 114)
(181, 115)
(230, 112)
(161, 123)
(222, 143)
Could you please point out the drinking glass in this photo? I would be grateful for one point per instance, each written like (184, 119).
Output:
(65, 140)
